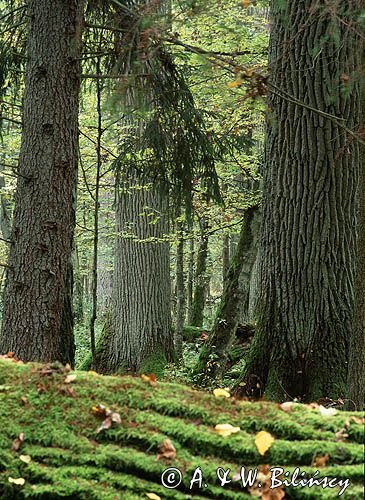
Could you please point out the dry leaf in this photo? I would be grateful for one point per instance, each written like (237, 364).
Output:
(110, 417)
(357, 420)
(19, 481)
(321, 461)
(246, 3)
(167, 450)
(18, 442)
(153, 496)
(327, 412)
(70, 378)
(287, 406)
(226, 430)
(149, 378)
(25, 458)
(232, 85)
(221, 393)
(341, 435)
(92, 372)
(263, 441)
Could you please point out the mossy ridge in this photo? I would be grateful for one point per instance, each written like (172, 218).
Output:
(50, 416)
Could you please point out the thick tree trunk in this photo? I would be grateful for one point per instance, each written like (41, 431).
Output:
(201, 282)
(139, 338)
(37, 295)
(356, 373)
(309, 213)
(213, 358)
(5, 225)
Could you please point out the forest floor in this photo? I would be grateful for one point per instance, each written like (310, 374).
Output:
(79, 435)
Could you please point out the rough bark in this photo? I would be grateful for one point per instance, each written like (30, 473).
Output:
(225, 257)
(356, 373)
(180, 287)
(5, 224)
(309, 213)
(214, 356)
(139, 337)
(38, 289)
(201, 282)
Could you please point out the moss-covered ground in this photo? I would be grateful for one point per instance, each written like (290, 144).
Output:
(69, 459)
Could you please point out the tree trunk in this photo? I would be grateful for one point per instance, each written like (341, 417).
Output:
(248, 261)
(225, 257)
(180, 286)
(201, 282)
(356, 374)
(5, 224)
(309, 208)
(38, 290)
(190, 281)
(213, 358)
(139, 338)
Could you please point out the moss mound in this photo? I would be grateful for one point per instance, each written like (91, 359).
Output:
(64, 456)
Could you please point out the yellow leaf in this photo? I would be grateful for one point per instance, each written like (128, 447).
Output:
(226, 430)
(25, 458)
(221, 393)
(246, 3)
(19, 481)
(232, 85)
(263, 441)
(145, 378)
(92, 372)
(153, 496)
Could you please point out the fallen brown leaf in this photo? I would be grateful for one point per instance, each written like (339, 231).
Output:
(167, 450)
(17, 443)
(321, 460)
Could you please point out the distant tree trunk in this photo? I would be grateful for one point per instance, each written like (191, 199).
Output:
(225, 257)
(190, 282)
(78, 292)
(139, 337)
(309, 209)
(180, 288)
(37, 305)
(249, 258)
(5, 224)
(356, 374)
(200, 290)
(213, 358)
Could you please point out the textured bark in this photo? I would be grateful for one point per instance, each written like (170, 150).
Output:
(37, 296)
(225, 257)
(309, 214)
(5, 224)
(356, 374)
(201, 281)
(248, 261)
(213, 358)
(139, 337)
(180, 287)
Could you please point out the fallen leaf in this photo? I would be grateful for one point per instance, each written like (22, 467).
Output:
(92, 372)
(341, 435)
(18, 442)
(153, 496)
(327, 412)
(70, 378)
(149, 378)
(106, 424)
(263, 441)
(357, 420)
(226, 430)
(110, 417)
(25, 458)
(19, 481)
(321, 460)
(232, 85)
(221, 393)
(246, 3)
(167, 450)
(287, 406)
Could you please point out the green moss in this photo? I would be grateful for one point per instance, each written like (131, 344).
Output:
(71, 460)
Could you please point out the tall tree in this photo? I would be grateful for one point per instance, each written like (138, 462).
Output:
(200, 278)
(309, 210)
(37, 321)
